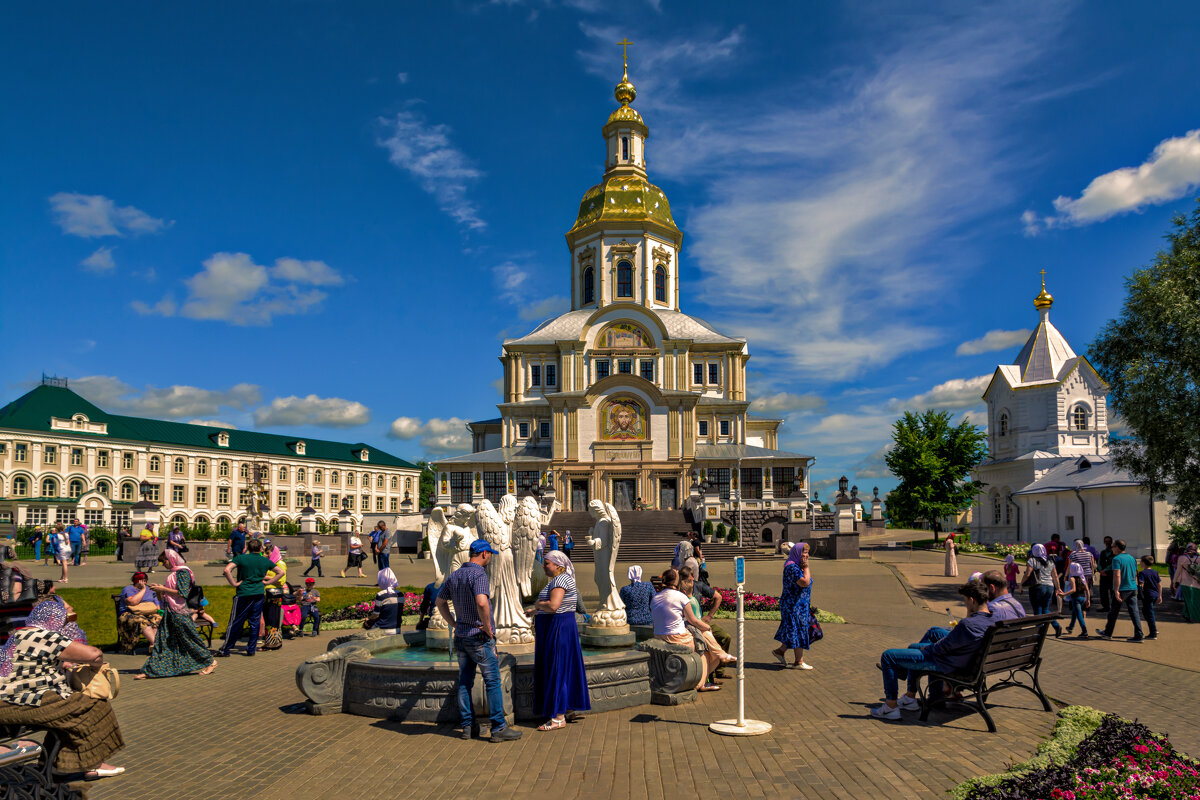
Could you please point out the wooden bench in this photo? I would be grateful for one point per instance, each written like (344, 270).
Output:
(207, 629)
(1010, 648)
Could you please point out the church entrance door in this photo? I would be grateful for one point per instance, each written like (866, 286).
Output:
(579, 495)
(667, 490)
(624, 492)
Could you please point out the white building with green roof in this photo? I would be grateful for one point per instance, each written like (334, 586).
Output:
(63, 457)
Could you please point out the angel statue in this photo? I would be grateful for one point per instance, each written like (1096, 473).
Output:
(437, 537)
(605, 538)
(512, 626)
(526, 530)
(459, 535)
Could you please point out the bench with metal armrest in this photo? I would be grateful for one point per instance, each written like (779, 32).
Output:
(28, 772)
(1010, 648)
(206, 628)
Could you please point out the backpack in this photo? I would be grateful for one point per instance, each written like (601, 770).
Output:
(195, 595)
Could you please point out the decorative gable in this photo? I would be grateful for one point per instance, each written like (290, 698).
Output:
(363, 454)
(221, 438)
(80, 423)
(297, 447)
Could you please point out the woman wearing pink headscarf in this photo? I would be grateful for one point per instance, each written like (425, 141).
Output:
(178, 648)
(794, 614)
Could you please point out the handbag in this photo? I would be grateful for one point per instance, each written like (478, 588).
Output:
(145, 607)
(101, 683)
(815, 633)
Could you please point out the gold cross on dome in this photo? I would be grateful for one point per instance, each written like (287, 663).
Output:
(624, 44)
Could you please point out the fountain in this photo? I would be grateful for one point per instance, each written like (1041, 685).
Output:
(412, 675)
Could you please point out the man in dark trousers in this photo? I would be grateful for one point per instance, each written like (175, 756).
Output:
(475, 640)
(1104, 562)
(249, 589)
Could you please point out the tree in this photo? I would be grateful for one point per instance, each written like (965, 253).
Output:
(426, 485)
(933, 460)
(1150, 357)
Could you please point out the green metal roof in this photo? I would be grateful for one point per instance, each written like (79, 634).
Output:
(33, 410)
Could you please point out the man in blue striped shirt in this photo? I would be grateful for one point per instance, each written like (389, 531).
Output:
(475, 640)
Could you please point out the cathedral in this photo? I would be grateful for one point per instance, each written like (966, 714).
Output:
(625, 398)
(1048, 469)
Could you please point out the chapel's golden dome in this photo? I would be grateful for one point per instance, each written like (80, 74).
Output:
(625, 198)
(1044, 298)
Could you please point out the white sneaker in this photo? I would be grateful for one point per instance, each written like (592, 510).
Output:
(882, 711)
(907, 703)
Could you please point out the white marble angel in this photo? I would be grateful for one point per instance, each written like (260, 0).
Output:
(605, 538)
(437, 536)
(459, 536)
(512, 626)
(526, 528)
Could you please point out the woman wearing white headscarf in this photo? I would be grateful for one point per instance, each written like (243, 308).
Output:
(559, 680)
(683, 551)
(637, 596)
(386, 616)
(1045, 586)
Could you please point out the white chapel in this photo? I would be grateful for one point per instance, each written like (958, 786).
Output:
(1048, 469)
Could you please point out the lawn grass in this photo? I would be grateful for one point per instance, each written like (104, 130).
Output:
(98, 618)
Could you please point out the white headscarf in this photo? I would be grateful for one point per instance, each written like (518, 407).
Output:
(386, 579)
(559, 558)
(635, 573)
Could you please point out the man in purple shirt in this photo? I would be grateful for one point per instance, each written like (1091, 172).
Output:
(475, 640)
(951, 653)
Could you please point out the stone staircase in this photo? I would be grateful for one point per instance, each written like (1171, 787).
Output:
(645, 536)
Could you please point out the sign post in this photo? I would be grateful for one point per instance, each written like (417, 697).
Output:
(741, 726)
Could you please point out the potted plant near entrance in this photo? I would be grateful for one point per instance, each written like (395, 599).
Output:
(707, 534)
(425, 548)
(720, 534)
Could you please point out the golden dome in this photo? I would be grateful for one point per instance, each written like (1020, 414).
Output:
(1044, 298)
(625, 91)
(625, 198)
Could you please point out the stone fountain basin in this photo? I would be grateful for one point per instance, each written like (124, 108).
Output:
(395, 677)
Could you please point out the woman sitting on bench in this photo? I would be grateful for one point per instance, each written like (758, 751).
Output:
(34, 692)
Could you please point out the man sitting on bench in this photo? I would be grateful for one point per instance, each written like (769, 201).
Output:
(949, 654)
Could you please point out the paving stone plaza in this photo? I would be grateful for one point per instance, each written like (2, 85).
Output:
(242, 732)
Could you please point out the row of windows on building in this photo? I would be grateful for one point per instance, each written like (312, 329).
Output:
(494, 486)
(702, 429)
(703, 373)
(179, 466)
(625, 283)
(1078, 419)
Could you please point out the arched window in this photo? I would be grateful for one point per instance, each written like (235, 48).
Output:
(75, 488)
(395, 482)
(178, 521)
(283, 473)
(379, 482)
(624, 279)
(223, 469)
(349, 478)
(1079, 418)
(244, 471)
(128, 490)
(201, 521)
(589, 286)
(408, 484)
(49, 488)
(660, 283)
(178, 467)
(317, 478)
(301, 474)
(20, 487)
(333, 477)
(104, 488)
(1004, 423)
(995, 509)
(1008, 509)
(202, 467)
(155, 464)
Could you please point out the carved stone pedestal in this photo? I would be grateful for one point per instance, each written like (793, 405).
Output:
(608, 636)
(675, 672)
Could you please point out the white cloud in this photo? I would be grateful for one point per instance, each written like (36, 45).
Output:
(401, 77)
(851, 185)
(510, 281)
(953, 394)
(167, 402)
(100, 261)
(550, 307)
(213, 423)
(873, 466)
(232, 288)
(93, 215)
(425, 152)
(782, 402)
(437, 436)
(498, 385)
(1170, 172)
(992, 341)
(329, 412)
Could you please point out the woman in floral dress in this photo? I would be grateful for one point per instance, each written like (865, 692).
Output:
(178, 647)
(794, 608)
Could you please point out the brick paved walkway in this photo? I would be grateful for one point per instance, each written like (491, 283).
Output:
(238, 733)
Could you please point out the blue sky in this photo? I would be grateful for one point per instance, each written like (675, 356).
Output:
(324, 217)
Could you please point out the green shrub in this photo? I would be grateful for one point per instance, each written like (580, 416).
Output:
(732, 536)
(424, 545)
(720, 534)
(708, 527)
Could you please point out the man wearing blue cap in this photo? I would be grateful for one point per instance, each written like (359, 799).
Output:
(475, 640)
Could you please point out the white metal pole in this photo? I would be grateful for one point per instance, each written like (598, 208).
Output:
(741, 651)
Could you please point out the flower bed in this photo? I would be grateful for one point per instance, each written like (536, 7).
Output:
(1092, 756)
(762, 606)
(1018, 550)
(356, 611)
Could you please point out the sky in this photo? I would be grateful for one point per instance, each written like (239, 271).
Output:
(324, 218)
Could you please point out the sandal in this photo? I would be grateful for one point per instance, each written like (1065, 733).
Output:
(108, 772)
(209, 669)
(552, 724)
(779, 656)
(709, 687)
(141, 676)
